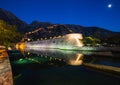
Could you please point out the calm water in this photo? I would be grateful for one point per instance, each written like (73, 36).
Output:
(62, 67)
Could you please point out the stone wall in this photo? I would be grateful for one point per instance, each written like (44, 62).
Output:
(5, 69)
(68, 41)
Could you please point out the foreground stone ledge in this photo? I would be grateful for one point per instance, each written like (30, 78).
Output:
(5, 69)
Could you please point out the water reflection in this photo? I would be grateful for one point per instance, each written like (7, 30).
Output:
(76, 57)
(94, 60)
(53, 66)
(77, 60)
(70, 57)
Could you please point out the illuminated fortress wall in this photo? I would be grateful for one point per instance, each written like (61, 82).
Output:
(68, 41)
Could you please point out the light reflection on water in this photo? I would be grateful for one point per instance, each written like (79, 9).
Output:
(48, 64)
(78, 57)
(70, 57)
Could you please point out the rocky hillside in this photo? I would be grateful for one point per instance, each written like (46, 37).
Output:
(12, 19)
(44, 29)
(38, 29)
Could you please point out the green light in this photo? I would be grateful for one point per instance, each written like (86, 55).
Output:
(31, 60)
(20, 59)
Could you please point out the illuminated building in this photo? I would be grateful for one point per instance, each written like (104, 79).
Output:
(68, 41)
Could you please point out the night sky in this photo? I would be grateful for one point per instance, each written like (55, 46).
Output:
(80, 12)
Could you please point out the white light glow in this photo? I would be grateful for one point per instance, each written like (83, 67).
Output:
(109, 5)
(69, 41)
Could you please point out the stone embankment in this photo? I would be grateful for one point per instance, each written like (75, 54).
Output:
(116, 49)
(104, 68)
(5, 69)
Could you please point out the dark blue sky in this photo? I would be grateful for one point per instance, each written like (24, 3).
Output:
(81, 12)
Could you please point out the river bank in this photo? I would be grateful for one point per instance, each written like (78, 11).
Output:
(5, 68)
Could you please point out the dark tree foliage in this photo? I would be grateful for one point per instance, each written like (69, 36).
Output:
(8, 34)
(91, 41)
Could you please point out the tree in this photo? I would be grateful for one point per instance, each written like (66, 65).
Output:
(8, 34)
(91, 41)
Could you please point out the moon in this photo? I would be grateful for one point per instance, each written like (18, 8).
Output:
(109, 5)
